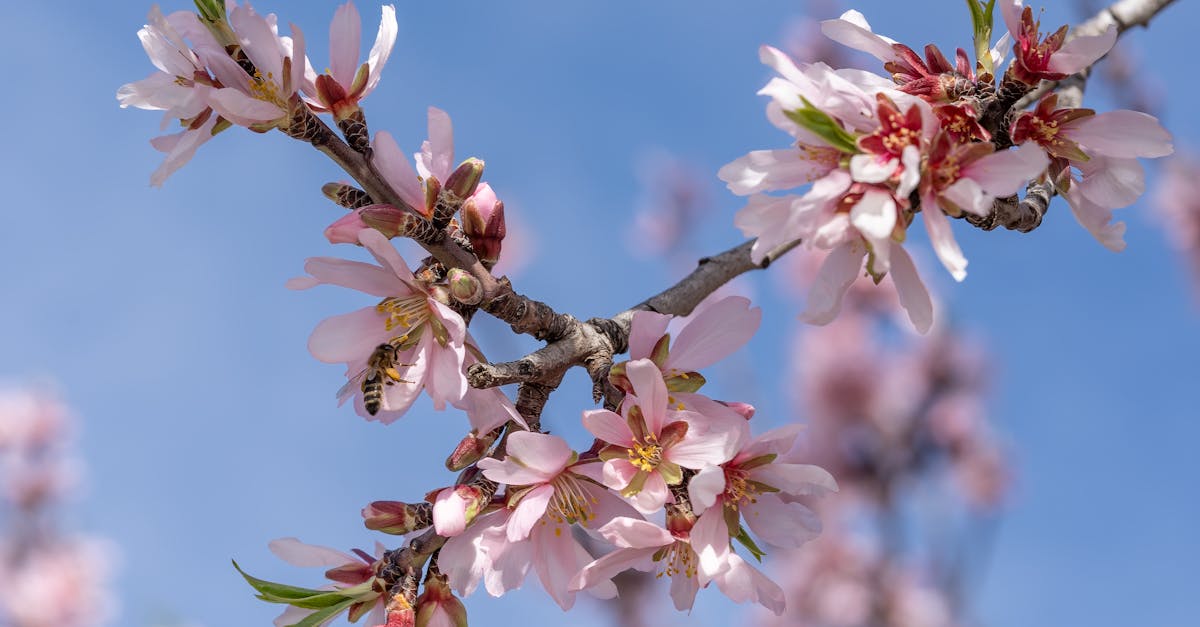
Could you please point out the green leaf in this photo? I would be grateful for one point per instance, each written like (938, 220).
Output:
(824, 126)
(307, 598)
(322, 615)
(283, 592)
(744, 538)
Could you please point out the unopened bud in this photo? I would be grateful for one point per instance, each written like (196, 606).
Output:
(437, 605)
(470, 450)
(345, 195)
(465, 288)
(433, 189)
(465, 179)
(455, 507)
(389, 220)
(483, 222)
(396, 518)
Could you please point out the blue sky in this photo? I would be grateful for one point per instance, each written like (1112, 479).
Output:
(209, 430)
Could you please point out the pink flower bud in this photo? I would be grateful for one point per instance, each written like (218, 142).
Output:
(470, 450)
(464, 287)
(465, 179)
(391, 517)
(483, 222)
(386, 219)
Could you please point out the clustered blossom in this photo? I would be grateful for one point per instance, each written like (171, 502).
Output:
(674, 481)
(875, 152)
(48, 577)
(216, 70)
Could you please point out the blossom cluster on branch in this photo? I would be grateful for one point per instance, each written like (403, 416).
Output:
(938, 137)
(673, 481)
(49, 577)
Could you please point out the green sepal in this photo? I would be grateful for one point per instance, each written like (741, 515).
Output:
(744, 538)
(670, 472)
(686, 382)
(661, 350)
(211, 10)
(981, 26)
(824, 126)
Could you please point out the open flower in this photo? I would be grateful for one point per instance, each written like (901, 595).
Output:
(760, 486)
(346, 83)
(647, 547)
(649, 444)
(1052, 58)
(1104, 148)
(262, 100)
(181, 88)
(549, 492)
(408, 342)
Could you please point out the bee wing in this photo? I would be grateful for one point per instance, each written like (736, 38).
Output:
(353, 386)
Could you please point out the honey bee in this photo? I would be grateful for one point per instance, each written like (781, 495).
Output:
(380, 371)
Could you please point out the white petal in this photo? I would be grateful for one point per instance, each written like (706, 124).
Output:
(913, 295)
(853, 31)
(837, 272)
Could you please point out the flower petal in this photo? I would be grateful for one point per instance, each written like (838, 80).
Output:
(650, 392)
(645, 329)
(840, 268)
(1081, 52)
(705, 486)
(1003, 173)
(714, 333)
(780, 523)
(853, 31)
(631, 533)
(1123, 133)
(543, 452)
(397, 171)
(297, 553)
(942, 239)
(772, 170)
(528, 512)
(913, 295)
(345, 41)
(608, 426)
(347, 337)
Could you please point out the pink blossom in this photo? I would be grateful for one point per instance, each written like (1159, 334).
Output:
(346, 83)
(172, 89)
(263, 100)
(967, 178)
(549, 492)
(410, 340)
(1053, 57)
(713, 332)
(181, 87)
(649, 445)
(647, 547)
(762, 487)
(1104, 148)
(436, 158)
